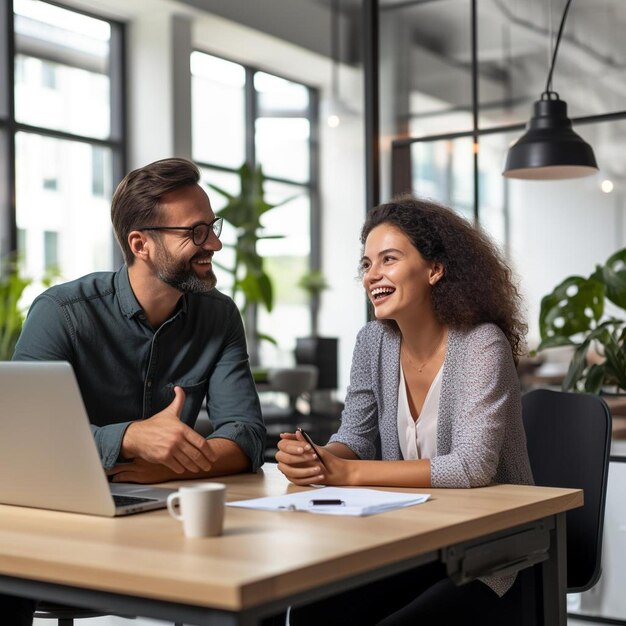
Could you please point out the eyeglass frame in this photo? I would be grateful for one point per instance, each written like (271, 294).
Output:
(214, 226)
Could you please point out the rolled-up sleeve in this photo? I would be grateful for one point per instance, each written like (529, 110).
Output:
(232, 401)
(109, 442)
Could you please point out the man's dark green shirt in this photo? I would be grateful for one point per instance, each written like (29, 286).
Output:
(126, 370)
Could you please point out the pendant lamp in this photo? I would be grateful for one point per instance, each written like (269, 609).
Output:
(550, 149)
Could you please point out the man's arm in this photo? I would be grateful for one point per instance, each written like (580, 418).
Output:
(165, 440)
(163, 447)
(232, 401)
(47, 335)
(230, 459)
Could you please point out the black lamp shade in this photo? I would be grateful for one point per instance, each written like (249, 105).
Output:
(550, 149)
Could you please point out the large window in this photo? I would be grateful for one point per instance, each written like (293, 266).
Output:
(243, 115)
(63, 126)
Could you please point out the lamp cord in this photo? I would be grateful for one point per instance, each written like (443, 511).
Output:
(550, 33)
(334, 45)
(548, 88)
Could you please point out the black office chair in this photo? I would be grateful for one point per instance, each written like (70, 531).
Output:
(568, 438)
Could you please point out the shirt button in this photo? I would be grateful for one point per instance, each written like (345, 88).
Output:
(149, 383)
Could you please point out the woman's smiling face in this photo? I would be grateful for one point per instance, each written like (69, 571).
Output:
(397, 278)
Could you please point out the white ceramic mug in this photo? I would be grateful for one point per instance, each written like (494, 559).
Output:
(200, 508)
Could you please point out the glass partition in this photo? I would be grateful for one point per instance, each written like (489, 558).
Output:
(427, 88)
(515, 45)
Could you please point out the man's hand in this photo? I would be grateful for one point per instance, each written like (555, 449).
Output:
(163, 439)
(230, 459)
(141, 471)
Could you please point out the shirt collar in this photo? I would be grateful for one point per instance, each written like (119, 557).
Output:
(128, 303)
(182, 303)
(125, 295)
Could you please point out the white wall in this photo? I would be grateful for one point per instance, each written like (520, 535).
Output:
(558, 229)
(343, 198)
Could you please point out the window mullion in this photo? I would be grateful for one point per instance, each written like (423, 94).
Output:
(8, 228)
(251, 112)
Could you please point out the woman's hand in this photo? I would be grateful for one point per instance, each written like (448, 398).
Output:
(299, 463)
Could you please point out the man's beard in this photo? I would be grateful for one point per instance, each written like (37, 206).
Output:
(181, 275)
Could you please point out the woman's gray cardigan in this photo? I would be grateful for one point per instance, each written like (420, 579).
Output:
(480, 435)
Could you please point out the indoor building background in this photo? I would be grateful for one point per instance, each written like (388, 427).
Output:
(90, 89)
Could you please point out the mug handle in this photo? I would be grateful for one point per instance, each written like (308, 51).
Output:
(172, 501)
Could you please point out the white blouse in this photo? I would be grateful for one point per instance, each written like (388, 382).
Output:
(418, 438)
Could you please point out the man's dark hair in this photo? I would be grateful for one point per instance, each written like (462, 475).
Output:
(136, 201)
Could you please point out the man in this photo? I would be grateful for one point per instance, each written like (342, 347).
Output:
(149, 342)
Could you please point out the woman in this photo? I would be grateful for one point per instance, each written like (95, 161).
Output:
(433, 400)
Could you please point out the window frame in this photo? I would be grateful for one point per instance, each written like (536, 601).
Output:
(250, 117)
(10, 127)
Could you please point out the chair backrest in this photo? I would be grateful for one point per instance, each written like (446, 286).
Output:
(293, 381)
(569, 437)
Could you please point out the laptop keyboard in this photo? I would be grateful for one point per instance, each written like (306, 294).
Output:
(127, 500)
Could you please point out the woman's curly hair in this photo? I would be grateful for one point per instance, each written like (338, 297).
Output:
(477, 285)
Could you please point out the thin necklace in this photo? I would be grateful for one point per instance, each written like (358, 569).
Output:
(419, 368)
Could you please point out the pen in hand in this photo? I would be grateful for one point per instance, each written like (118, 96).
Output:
(308, 439)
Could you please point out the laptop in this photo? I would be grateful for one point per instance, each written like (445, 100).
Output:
(49, 456)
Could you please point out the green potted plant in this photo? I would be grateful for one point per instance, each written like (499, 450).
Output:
(316, 350)
(244, 211)
(574, 314)
(313, 283)
(12, 285)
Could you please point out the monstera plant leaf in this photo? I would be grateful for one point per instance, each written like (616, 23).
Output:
(574, 314)
(575, 306)
(608, 337)
(613, 275)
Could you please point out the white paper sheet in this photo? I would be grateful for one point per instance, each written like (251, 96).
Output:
(356, 502)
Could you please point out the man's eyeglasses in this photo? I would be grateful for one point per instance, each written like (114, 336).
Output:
(199, 232)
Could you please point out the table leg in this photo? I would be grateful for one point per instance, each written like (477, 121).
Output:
(554, 576)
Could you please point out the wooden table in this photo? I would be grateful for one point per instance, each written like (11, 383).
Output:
(143, 565)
